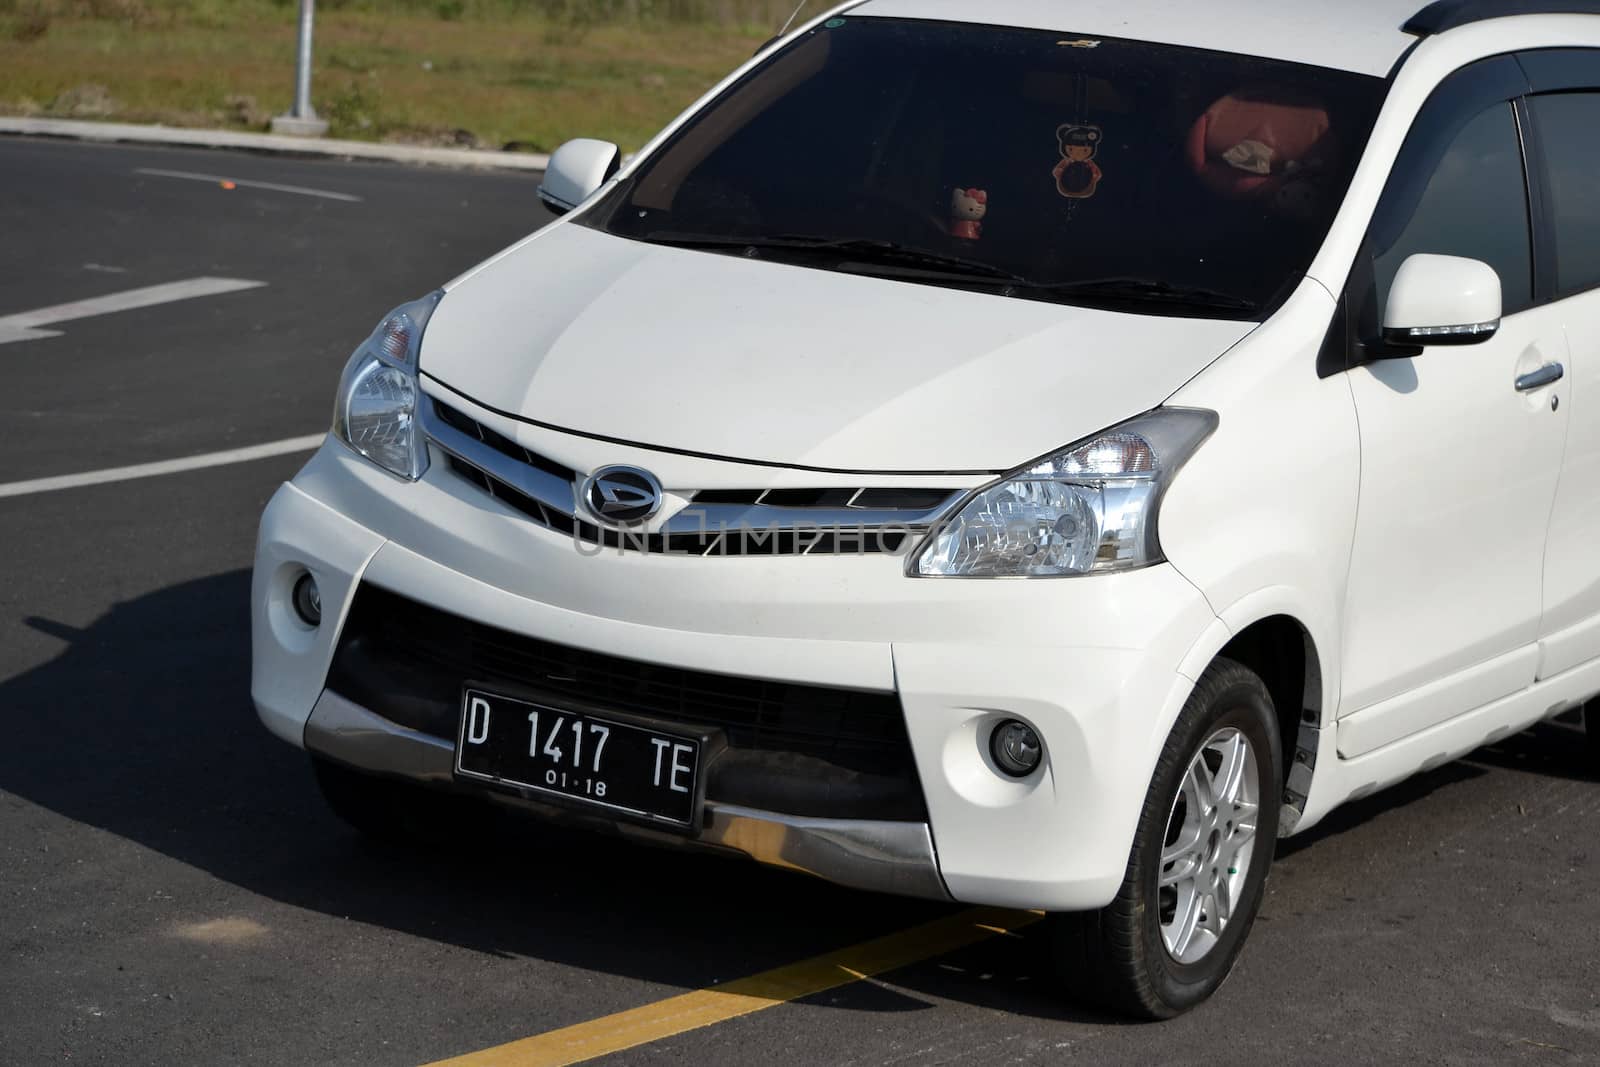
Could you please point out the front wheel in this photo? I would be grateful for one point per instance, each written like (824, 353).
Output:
(1198, 869)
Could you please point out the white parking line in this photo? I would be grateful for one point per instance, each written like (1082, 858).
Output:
(285, 447)
(298, 190)
(22, 326)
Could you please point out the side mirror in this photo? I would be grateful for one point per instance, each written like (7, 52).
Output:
(576, 170)
(1442, 300)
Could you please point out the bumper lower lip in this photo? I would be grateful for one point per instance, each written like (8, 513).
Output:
(888, 857)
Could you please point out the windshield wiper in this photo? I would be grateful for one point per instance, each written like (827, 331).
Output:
(879, 251)
(1148, 290)
(858, 249)
(1127, 289)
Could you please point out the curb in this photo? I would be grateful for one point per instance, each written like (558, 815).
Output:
(78, 129)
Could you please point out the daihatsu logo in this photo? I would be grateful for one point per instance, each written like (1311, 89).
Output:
(622, 495)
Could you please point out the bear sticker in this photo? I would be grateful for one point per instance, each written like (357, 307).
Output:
(1078, 175)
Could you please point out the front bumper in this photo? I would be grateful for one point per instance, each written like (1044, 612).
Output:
(1090, 663)
(889, 857)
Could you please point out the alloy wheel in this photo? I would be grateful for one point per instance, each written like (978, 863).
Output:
(1210, 839)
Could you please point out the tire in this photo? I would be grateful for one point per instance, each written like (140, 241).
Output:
(392, 812)
(1119, 957)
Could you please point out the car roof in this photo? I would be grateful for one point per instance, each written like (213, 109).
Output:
(1364, 36)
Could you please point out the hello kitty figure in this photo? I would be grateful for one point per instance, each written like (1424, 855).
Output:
(967, 209)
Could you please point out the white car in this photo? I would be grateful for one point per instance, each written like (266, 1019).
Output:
(1025, 453)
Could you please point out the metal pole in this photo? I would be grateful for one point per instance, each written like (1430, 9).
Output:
(302, 68)
(302, 117)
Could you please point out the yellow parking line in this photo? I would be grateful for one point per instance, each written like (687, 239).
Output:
(704, 1007)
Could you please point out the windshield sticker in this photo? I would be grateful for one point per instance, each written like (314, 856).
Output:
(967, 209)
(833, 24)
(1078, 44)
(1078, 175)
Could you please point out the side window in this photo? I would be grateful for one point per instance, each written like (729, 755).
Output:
(1568, 125)
(1473, 203)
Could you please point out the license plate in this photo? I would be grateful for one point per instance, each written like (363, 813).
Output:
(593, 759)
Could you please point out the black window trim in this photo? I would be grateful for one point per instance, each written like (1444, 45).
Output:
(1552, 72)
(1486, 82)
(1540, 214)
(1560, 69)
(1539, 248)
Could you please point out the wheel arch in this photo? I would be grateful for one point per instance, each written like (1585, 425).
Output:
(1276, 642)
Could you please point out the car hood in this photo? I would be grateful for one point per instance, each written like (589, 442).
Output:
(767, 362)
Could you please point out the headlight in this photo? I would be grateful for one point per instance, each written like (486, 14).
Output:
(376, 410)
(1089, 508)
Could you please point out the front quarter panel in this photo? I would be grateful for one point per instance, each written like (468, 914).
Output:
(1261, 520)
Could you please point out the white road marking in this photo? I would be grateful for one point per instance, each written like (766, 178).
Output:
(23, 325)
(18, 333)
(168, 466)
(298, 190)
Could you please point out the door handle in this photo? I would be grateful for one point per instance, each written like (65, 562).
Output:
(1549, 374)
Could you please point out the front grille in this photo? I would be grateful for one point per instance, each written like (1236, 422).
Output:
(755, 542)
(501, 443)
(861, 499)
(717, 522)
(798, 749)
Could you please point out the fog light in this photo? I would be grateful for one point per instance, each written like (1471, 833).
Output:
(307, 600)
(1015, 748)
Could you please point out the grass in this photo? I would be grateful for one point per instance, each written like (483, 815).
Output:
(527, 74)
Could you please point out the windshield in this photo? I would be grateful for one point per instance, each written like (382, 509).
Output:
(1040, 165)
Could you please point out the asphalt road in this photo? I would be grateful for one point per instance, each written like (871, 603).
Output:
(173, 892)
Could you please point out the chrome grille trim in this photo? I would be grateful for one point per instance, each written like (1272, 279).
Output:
(548, 489)
(485, 460)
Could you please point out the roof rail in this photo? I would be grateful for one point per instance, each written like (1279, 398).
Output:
(1444, 15)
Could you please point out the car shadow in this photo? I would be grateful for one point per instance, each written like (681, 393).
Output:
(143, 727)
(1554, 749)
(1550, 749)
(1353, 815)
